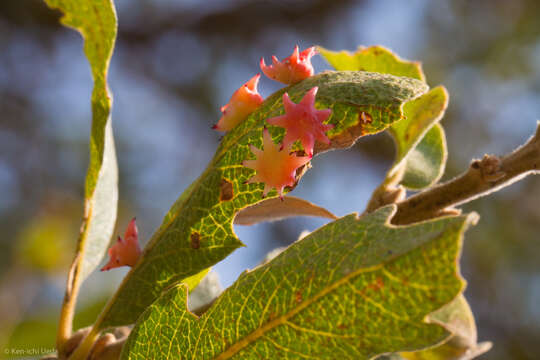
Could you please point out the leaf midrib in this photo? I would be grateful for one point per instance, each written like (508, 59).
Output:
(281, 320)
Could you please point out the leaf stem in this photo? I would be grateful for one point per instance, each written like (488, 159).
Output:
(483, 177)
(83, 350)
(73, 284)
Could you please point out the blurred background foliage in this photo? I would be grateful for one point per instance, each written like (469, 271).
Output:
(176, 62)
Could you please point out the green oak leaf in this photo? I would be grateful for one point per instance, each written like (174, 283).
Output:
(197, 232)
(420, 140)
(425, 163)
(415, 136)
(353, 289)
(96, 21)
(458, 319)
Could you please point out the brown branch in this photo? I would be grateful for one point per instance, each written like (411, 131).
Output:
(482, 178)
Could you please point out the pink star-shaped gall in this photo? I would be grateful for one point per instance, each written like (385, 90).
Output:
(126, 251)
(292, 69)
(243, 102)
(303, 122)
(275, 168)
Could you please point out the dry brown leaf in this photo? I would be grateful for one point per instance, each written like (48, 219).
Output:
(276, 209)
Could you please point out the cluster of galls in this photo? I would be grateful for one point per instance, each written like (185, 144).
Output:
(275, 164)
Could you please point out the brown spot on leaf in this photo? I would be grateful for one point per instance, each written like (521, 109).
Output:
(377, 285)
(343, 140)
(365, 118)
(225, 190)
(342, 326)
(298, 296)
(299, 153)
(195, 240)
(348, 137)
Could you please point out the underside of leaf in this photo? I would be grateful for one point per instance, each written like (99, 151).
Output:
(278, 209)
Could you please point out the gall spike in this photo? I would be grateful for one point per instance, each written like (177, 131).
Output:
(303, 122)
(126, 251)
(242, 103)
(292, 69)
(275, 168)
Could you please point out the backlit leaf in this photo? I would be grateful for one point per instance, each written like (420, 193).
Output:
(96, 21)
(354, 289)
(197, 232)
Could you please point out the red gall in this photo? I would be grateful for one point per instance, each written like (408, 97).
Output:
(292, 69)
(274, 167)
(243, 102)
(303, 122)
(126, 251)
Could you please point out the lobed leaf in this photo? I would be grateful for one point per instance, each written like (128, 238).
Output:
(96, 21)
(354, 289)
(421, 159)
(197, 232)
